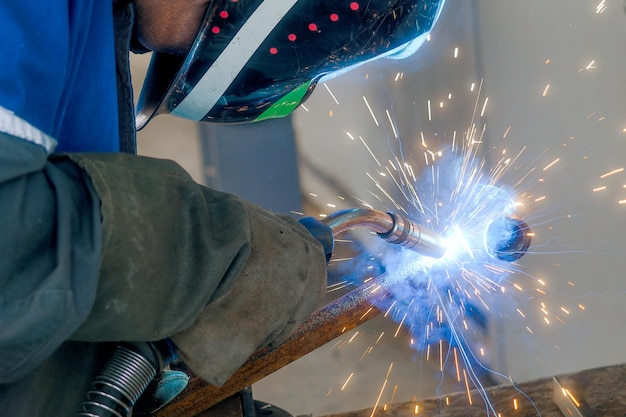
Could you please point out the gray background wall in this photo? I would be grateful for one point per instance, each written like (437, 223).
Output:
(576, 47)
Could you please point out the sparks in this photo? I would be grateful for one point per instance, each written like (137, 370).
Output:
(369, 150)
(482, 112)
(551, 164)
(571, 396)
(393, 127)
(345, 384)
(382, 389)
(331, 93)
(467, 388)
(370, 110)
(615, 171)
(454, 190)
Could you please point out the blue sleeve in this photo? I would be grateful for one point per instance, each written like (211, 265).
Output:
(58, 70)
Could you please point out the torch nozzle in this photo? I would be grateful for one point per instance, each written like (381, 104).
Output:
(413, 236)
(390, 226)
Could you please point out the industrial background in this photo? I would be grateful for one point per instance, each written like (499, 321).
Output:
(553, 74)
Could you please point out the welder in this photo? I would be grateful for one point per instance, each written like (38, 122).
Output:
(99, 245)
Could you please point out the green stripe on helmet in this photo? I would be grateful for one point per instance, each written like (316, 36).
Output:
(287, 104)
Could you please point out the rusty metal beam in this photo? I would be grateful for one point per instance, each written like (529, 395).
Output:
(326, 324)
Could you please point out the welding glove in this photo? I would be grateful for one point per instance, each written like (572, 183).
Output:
(220, 276)
(276, 290)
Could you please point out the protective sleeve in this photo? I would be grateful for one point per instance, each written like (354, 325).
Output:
(49, 254)
(220, 276)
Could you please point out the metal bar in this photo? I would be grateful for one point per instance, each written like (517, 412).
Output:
(326, 324)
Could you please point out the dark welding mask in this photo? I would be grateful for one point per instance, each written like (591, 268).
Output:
(259, 59)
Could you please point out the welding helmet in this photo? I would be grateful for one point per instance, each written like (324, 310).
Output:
(259, 59)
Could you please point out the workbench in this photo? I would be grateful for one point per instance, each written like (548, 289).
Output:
(599, 392)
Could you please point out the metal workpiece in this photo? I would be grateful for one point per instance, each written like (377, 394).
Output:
(392, 227)
(508, 238)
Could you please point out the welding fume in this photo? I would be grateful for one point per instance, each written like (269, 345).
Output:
(116, 264)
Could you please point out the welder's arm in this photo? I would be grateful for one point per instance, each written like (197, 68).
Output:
(50, 244)
(220, 276)
(174, 250)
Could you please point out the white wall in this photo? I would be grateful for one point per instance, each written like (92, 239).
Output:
(526, 45)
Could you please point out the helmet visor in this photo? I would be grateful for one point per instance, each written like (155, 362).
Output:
(259, 59)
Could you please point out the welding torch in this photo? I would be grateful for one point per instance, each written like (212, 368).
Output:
(126, 375)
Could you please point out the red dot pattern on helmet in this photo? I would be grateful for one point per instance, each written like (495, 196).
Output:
(224, 15)
(334, 17)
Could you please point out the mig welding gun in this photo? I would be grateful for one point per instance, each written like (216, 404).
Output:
(133, 365)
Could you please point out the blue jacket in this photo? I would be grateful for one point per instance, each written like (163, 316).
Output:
(58, 70)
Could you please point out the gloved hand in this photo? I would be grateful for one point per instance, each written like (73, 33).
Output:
(281, 284)
(322, 232)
